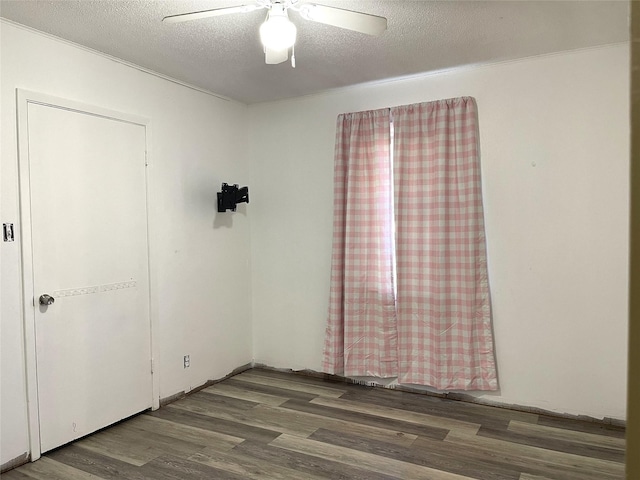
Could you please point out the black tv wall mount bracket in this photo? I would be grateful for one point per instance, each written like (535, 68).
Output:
(230, 196)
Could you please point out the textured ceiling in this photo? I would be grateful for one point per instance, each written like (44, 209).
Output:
(223, 54)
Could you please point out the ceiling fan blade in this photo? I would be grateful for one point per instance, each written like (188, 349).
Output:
(273, 57)
(185, 17)
(356, 21)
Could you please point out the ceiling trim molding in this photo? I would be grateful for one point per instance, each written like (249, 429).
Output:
(119, 60)
(444, 71)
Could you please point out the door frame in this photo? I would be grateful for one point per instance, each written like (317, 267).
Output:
(23, 99)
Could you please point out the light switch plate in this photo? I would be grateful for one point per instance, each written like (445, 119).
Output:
(7, 232)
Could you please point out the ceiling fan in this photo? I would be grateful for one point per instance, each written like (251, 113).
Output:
(278, 33)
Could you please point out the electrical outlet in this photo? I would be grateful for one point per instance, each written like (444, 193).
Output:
(187, 361)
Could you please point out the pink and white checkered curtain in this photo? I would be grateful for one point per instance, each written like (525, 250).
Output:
(444, 319)
(361, 330)
(438, 331)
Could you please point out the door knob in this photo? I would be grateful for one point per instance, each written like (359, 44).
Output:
(46, 299)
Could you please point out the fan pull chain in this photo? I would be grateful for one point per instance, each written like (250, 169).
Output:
(293, 56)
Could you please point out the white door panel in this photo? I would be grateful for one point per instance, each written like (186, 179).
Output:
(89, 240)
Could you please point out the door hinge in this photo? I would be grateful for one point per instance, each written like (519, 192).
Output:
(146, 159)
(152, 365)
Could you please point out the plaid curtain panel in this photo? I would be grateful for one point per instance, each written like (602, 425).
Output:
(445, 337)
(437, 331)
(361, 330)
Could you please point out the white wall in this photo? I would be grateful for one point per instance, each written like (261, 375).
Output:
(557, 231)
(555, 157)
(200, 262)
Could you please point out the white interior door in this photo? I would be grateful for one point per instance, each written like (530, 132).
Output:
(89, 247)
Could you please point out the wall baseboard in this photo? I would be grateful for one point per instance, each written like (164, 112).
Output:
(16, 462)
(177, 396)
(172, 398)
(461, 397)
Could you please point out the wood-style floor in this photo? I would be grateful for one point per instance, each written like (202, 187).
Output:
(264, 424)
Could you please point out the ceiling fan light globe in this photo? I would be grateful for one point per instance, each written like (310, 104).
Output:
(278, 33)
